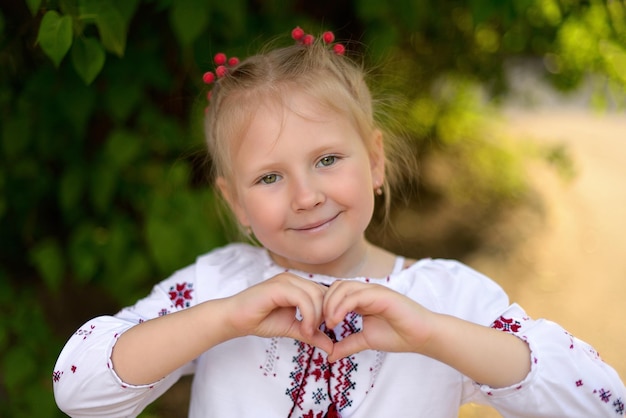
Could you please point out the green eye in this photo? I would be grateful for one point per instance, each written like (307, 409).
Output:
(269, 179)
(328, 160)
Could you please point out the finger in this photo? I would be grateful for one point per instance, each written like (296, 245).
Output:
(358, 297)
(307, 297)
(353, 343)
(311, 314)
(322, 341)
(332, 299)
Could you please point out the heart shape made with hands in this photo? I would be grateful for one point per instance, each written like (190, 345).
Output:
(287, 305)
(351, 316)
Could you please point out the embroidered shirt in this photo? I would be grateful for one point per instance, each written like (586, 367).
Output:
(282, 377)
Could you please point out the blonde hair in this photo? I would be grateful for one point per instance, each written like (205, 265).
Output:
(336, 82)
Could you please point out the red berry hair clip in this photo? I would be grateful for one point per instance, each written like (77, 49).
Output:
(328, 37)
(223, 64)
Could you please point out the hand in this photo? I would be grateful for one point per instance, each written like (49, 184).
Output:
(391, 321)
(268, 309)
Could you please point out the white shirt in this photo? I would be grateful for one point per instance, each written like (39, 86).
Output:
(282, 377)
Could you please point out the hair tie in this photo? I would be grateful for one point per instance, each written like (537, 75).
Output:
(223, 64)
(303, 38)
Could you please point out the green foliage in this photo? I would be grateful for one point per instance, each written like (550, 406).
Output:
(25, 344)
(58, 31)
(88, 58)
(55, 35)
(102, 183)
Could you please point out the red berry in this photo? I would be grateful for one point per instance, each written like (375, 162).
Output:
(220, 58)
(297, 33)
(339, 49)
(308, 39)
(208, 77)
(233, 61)
(221, 71)
(328, 37)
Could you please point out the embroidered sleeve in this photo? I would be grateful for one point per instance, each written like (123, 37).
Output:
(84, 381)
(567, 378)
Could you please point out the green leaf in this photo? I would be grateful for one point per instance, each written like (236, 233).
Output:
(33, 6)
(55, 35)
(112, 30)
(189, 18)
(48, 259)
(88, 58)
(110, 24)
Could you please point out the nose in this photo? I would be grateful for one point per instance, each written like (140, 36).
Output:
(306, 194)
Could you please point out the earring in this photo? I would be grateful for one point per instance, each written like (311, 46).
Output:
(378, 190)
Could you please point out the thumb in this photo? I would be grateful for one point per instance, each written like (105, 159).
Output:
(348, 346)
(321, 340)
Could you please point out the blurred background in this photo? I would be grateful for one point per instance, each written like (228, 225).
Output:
(514, 110)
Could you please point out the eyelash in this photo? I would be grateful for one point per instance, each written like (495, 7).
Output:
(333, 160)
(263, 180)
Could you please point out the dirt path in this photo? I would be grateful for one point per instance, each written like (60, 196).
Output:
(571, 267)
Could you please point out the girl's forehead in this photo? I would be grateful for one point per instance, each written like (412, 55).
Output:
(272, 111)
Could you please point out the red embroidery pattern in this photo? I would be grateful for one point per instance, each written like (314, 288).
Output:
(180, 294)
(298, 376)
(509, 325)
(605, 396)
(344, 385)
(272, 357)
(328, 385)
(85, 332)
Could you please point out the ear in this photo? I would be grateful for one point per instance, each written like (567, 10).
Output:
(377, 158)
(228, 193)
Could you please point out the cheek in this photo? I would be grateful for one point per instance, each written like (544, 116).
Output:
(262, 209)
(357, 189)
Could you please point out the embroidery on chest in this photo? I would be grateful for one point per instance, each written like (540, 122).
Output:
(319, 388)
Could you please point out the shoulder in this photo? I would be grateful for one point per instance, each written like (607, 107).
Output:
(233, 256)
(452, 287)
(221, 272)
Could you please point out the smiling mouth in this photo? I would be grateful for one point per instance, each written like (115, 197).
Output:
(317, 225)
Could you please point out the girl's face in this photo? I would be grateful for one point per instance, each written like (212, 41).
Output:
(304, 183)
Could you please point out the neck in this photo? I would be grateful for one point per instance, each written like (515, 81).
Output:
(366, 260)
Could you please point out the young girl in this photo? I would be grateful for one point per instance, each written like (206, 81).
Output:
(318, 322)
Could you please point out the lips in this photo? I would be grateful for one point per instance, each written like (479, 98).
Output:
(316, 225)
